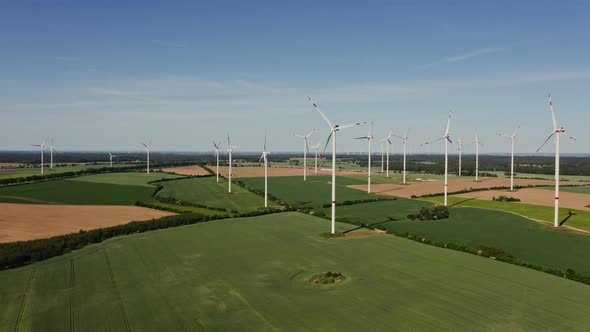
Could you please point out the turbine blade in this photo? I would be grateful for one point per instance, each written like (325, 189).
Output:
(448, 124)
(552, 113)
(322, 114)
(434, 140)
(352, 125)
(515, 131)
(547, 140)
(328, 141)
(364, 137)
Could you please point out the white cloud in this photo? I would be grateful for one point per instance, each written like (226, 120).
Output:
(465, 56)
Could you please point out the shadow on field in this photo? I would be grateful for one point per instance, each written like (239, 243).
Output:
(390, 219)
(569, 215)
(463, 201)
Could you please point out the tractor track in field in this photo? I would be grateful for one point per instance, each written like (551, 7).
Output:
(293, 276)
(72, 280)
(117, 294)
(23, 304)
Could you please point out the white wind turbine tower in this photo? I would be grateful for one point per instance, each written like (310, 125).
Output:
(230, 150)
(556, 131)
(51, 150)
(382, 157)
(333, 129)
(217, 147)
(388, 140)
(305, 150)
(460, 150)
(447, 139)
(369, 139)
(147, 150)
(317, 152)
(265, 153)
(111, 156)
(42, 148)
(405, 140)
(477, 145)
(512, 138)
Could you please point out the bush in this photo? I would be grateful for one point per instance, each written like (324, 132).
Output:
(503, 198)
(431, 213)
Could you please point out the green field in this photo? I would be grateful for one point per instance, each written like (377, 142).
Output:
(544, 176)
(76, 192)
(316, 191)
(206, 191)
(579, 219)
(253, 274)
(525, 239)
(20, 172)
(573, 189)
(126, 178)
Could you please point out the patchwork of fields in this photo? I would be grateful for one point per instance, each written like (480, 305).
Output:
(173, 280)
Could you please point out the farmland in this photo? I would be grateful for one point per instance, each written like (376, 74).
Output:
(21, 172)
(207, 192)
(127, 178)
(525, 239)
(174, 278)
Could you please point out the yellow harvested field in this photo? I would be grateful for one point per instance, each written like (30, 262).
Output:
(253, 171)
(187, 170)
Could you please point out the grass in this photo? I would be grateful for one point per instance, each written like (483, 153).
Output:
(207, 192)
(543, 176)
(126, 178)
(75, 192)
(579, 219)
(525, 239)
(314, 192)
(173, 280)
(191, 209)
(573, 189)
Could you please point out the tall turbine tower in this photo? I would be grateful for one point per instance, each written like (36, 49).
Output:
(447, 139)
(512, 138)
(369, 139)
(111, 158)
(305, 150)
(557, 131)
(147, 150)
(405, 140)
(460, 150)
(477, 145)
(334, 128)
(217, 147)
(230, 150)
(265, 153)
(51, 149)
(387, 144)
(317, 152)
(42, 148)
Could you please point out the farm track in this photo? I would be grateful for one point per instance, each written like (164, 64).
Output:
(117, 294)
(23, 304)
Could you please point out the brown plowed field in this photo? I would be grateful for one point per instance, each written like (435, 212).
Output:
(250, 172)
(21, 222)
(187, 170)
(536, 197)
(437, 186)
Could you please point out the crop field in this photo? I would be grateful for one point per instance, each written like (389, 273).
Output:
(579, 178)
(125, 178)
(76, 192)
(18, 172)
(316, 191)
(174, 277)
(579, 219)
(573, 189)
(206, 191)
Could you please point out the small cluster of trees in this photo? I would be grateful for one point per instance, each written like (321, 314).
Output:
(503, 198)
(431, 213)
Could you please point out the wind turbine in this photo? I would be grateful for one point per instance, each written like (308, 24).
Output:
(333, 129)
(477, 144)
(230, 149)
(369, 138)
(512, 138)
(447, 139)
(305, 150)
(317, 152)
(382, 157)
(42, 148)
(460, 149)
(405, 140)
(147, 149)
(556, 132)
(51, 149)
(111, 156)
(217, 147)
(388, 140)
(265, 153)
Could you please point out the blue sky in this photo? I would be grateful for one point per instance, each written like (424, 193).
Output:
(106, 75)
